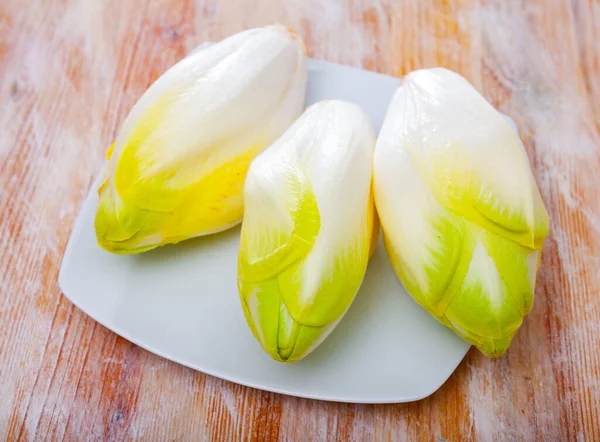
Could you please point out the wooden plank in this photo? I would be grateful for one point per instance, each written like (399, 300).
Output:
(70, 70)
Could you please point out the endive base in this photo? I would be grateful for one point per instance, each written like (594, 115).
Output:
(181, 301)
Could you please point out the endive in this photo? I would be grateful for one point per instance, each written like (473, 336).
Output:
(179, 162)
(309, 227)
(462, 217)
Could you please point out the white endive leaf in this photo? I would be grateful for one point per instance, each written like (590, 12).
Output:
(308, 228)
(462, 216)
(180, 159)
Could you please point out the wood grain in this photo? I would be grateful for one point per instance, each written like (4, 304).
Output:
(71, 69)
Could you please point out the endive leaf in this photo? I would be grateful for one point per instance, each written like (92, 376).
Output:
(474, 162)
(280, 228)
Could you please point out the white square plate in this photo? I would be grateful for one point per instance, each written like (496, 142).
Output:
(181, 301)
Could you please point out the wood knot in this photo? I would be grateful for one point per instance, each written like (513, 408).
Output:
(170, 33)
(117, 418)
(14, 90)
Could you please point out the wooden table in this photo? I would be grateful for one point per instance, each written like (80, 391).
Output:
(70, 70)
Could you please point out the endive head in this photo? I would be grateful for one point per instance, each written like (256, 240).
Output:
(309, 225)
(180, 159)
(462, 216)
